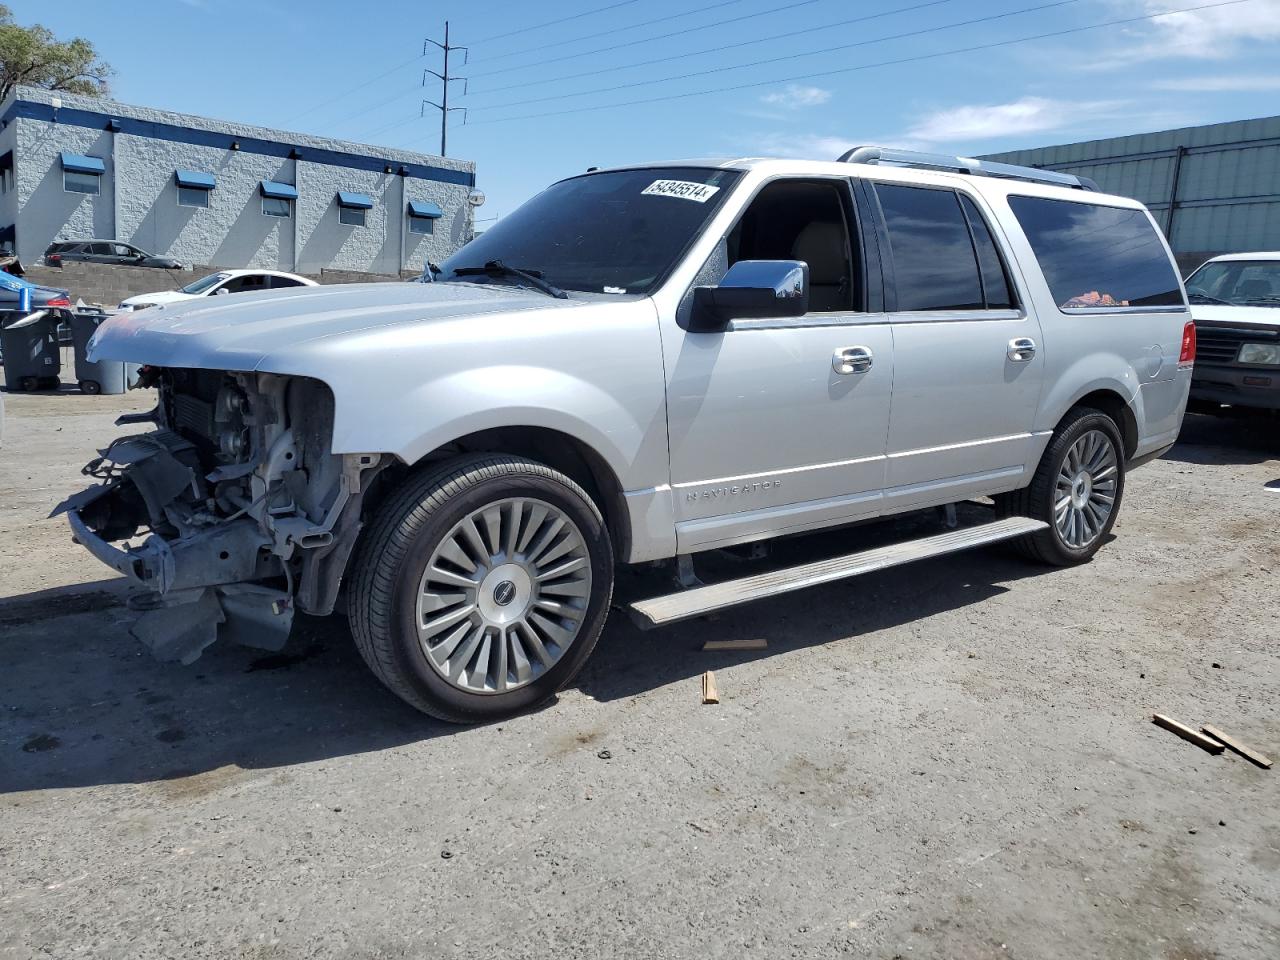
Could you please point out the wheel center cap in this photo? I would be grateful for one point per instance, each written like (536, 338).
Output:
(1082, 489)
(505, 594)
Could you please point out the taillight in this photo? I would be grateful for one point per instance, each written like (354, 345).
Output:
(1188, 354)
(53, 259)
(60, 302)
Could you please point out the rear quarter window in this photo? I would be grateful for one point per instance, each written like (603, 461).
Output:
(1096, 257)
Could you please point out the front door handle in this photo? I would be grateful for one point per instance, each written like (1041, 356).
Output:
(848, 360)
(1021, 349)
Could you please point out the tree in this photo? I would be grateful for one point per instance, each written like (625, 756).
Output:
(34, 57)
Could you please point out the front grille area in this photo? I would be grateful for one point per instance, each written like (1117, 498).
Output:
(1221, 344)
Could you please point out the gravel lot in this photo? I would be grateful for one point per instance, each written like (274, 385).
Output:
(955, 759)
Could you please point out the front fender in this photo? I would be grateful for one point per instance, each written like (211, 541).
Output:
(490, 397)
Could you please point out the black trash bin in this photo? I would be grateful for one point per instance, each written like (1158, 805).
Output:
(30, 346)
(102, 376)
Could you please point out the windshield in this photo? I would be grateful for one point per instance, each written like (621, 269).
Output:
(204, 283)
(618, 232)
(1244, 283)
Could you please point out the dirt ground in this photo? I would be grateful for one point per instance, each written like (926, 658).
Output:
(955, 759)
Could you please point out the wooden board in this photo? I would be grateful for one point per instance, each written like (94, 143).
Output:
(1186, 733)
(760, 644)
(709, 692)
(1247, 752)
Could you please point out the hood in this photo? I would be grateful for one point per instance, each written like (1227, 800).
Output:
(242, 332)
(160, 296)
(1231, 316)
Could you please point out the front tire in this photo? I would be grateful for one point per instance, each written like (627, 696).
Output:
(1076, 490)
(481, 587)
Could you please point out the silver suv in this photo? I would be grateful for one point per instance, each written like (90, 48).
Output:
(641, 364)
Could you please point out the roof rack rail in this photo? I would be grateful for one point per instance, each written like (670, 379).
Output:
(969, 165)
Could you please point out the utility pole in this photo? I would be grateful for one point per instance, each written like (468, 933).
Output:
(445, 80)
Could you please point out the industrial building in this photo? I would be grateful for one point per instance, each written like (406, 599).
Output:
(1214, 188)
(214, 193)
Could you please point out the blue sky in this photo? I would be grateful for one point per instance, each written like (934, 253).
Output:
(355, 71)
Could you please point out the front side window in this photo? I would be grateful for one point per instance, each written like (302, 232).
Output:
(351, 216)
(191, 197)
(617, 231)
(1241, 283)
(934, 264)
(75, 182)
(276, 207)
(802, 220)
(1096, 257)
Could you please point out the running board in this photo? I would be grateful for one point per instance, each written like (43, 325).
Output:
(659, 611)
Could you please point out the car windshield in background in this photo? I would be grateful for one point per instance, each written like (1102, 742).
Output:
(1098, 257)
(204, 283)
(615, 232)
(1243, 283)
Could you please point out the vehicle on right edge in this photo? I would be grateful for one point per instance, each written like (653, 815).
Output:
(1235, 300)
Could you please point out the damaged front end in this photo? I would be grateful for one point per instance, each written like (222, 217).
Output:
(245, 510)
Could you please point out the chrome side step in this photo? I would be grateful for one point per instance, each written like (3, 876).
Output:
(659, 611)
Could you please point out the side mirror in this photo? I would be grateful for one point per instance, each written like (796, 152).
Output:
(752, 289)
(221, 291)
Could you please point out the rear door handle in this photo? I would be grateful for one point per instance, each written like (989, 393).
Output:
(1021, 349)
(848, 360)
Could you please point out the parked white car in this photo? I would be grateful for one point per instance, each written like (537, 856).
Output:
(1235, 300)
(642, 364)
(222, 282)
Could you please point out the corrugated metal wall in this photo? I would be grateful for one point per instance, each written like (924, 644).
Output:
(1227, 181)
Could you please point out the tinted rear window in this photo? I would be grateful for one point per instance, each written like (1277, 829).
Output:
(1096, 257)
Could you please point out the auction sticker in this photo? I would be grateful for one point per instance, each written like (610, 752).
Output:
(684, 189)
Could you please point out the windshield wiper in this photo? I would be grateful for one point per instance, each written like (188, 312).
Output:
(496, 268)
(1205, 298)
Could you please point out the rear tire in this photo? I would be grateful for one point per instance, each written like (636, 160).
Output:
(91, 387)
(481, 587)
(1077, 489)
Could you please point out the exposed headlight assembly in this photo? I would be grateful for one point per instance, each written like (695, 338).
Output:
(1263, 353)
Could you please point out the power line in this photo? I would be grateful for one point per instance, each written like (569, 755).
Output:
(612, 30)
(790, 56)
(552, 23)
(345, 93)
(635, 43)
(868, 66)
(708, 50)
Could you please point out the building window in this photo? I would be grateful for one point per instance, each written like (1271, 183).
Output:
(75, 182)
(276, 207)
(192, 197)
(351, 216)
(423, 215)
(424, 225)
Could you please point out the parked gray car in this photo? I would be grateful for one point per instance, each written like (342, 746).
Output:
(105, 251)
(641, 364)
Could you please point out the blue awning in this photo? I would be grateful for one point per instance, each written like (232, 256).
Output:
(357, 201)
(195, 179)
(78, 164)
(281, 191)
(425, 208)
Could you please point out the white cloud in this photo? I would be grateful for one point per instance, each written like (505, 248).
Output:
(991, 121)
(1243, 83)
(1214, 34)
(794, 95)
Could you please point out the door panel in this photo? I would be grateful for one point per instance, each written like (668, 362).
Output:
(961, 406)
(759, 419)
